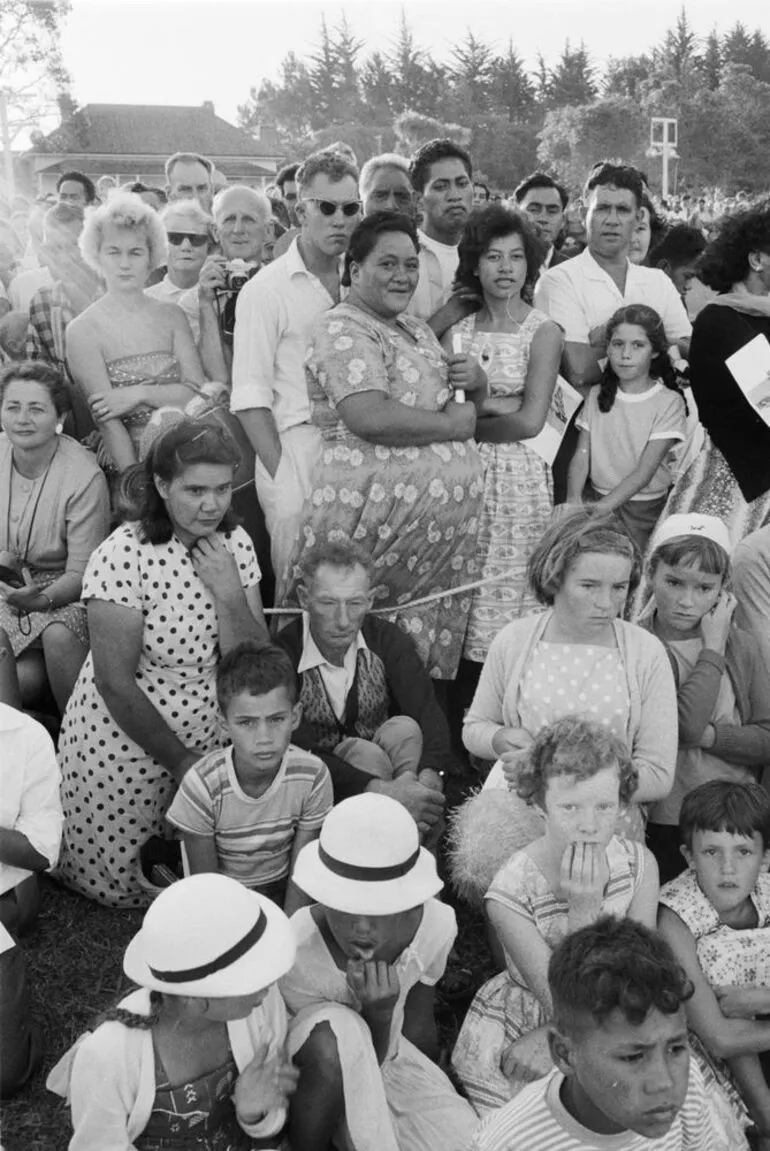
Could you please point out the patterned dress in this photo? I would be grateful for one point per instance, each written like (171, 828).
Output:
(518, 492)
(415, 510)
(149, 367)
(114, 794)
(504, 1009)
(195, 1116)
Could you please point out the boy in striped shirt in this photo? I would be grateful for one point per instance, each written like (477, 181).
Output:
(624, 1080)
(248, 810)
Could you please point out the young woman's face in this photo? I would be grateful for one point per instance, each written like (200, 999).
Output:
(630, 352)
(727, 866)
(683, 595)
(582, 810)
(365, 937)
(28, 416)
(197, 499)
(502, 269)
(593, 593)
(640, 240)
(124, 258)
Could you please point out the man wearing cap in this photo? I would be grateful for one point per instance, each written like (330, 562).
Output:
(369, 708)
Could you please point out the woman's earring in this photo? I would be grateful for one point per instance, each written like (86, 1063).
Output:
(59, 429)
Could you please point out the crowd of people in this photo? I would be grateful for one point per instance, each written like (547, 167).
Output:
(313, 496)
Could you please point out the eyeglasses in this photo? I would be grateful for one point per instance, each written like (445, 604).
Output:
(196, 239)
(329, 207)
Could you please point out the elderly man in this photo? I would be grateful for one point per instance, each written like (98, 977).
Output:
(189, 176)
(275, 315)
(368, 703)
(386, 186)
(442, 176)
(544, 202)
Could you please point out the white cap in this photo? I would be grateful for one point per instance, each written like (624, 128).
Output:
(691, 524)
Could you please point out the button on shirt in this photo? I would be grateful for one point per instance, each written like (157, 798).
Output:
(579, 295)
(274, 319)
(29, 790)
(337, 680)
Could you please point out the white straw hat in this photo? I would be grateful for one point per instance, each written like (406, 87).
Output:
(210, 936)
(691, 524)
(368, 859)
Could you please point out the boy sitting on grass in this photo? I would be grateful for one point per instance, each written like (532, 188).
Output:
(248, 810)
(623, 1077)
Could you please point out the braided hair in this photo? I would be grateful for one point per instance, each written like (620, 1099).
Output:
(661, 367)
(131, 1018)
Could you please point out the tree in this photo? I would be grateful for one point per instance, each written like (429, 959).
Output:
(32, 72)
(511, 90)
(678, 51)
(710, 63)
(346, 48)
(415, 85)
(413, 129)
(624, 77)
(572, 80)
(574, 137)
(377, 88)
(323, 76)
(471, 73)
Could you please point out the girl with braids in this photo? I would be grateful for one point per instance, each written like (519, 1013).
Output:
(629, 425)
(194, 1060)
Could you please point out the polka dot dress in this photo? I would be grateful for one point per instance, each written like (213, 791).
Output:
(114, 795)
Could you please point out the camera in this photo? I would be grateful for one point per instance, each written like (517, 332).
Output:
(237, 273)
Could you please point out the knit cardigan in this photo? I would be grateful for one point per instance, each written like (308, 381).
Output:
(108, 1076)
(651, 731)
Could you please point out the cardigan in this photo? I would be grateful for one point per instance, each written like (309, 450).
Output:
(108, 1076)
(651, 731)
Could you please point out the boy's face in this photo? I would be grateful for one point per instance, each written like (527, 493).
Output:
(366, 937)
(683, 595)
(260, 727)
(726, 866)
(626, 1077)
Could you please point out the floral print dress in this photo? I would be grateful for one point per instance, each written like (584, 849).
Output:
(414, 509)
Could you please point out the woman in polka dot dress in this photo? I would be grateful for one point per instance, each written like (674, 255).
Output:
(167, 594)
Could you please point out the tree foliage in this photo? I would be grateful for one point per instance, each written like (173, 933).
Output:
(32, 72)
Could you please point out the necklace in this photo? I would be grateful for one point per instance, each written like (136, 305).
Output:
(22, 555)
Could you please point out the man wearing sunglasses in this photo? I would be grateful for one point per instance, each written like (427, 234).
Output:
(275, 315)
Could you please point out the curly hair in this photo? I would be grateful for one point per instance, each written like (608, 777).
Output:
(615, 174)
(585, 530)
(575, 746)
(661, 367)
(367, 232)
(720, 805)
(131, 1018)
(614, 965)
(124, 210)
(38, 372)
(495, 223)
(431, 153)
(334, 165)
(726, 260)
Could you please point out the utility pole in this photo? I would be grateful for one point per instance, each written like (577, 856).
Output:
(5, 136)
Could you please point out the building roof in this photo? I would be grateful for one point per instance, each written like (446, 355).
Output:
(152, 130)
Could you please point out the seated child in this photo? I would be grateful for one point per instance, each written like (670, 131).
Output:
(580, 775)
(249, 809)
(716, 916)
(361, 993)
(723, 683)
(195, 1058)
(623, 1076)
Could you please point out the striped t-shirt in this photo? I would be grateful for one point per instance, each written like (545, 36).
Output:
(536, 1120)
(253, 837)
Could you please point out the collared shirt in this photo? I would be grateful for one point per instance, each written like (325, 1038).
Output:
(186, 298)
(438, 264)
(579, 295)
(29, 789)
(274, 318)
(337, 680)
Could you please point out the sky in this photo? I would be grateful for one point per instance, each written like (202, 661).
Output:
(188, 51)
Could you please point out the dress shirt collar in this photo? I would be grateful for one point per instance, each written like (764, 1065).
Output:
(312, 657)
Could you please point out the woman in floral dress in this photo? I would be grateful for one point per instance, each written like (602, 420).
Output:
(398, 471)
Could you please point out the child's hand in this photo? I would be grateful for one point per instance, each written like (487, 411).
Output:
(264, 1085)
(584, 875)
(715, 625)
(375, 984)
(742, 1002)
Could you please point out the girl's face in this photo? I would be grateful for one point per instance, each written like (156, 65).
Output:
(683, 595)
(630, 352)
(582, 811)
(381, 937)
(197, 499)
(727, 866)
(502, 269)
(640, 240)
(124, 258)
(593, 593)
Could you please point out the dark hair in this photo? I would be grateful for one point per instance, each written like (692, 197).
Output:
(726, 259)
(692, 551)
(493, 223)
(79, 178)
(367, 232)
(38, 372)
(156, 191)
(135, 186)
(256, 669)
(583, 531)
(132, 1018)
(184, 445)
(738, 808)
(481, 184)
(540, 180)
(337, 554)
(287, 175)
(429, 154)
(614, 965)
(657, 224)
(574, 745)
(681, 244)
(660, 365)
(616, 174)
(333, 165)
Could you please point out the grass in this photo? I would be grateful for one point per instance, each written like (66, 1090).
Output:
(74, 966)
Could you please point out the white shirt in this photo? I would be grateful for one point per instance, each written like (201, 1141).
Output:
(29, 789)
(186, 298)
(24, 285)
(274, 319)
(436, 276)
(337, 680)
(579, 295)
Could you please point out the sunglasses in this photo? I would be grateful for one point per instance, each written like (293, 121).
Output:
(329, 207)
(196, 239)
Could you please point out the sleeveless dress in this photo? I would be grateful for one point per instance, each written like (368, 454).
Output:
(518, 492)
(149, 367)
(504, 1009)
(727, 957)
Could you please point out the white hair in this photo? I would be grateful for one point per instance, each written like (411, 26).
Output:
(376, 164)
(260, 201)
(123, 210)
(189, 209)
